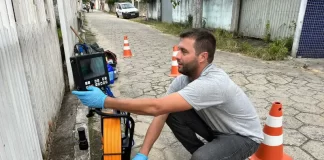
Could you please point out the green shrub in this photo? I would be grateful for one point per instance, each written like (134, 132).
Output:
(227, 41)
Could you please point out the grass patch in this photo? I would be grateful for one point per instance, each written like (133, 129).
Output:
(59, 34)
(226, 41)
(90, 37)
(168, 28)
(110, 12)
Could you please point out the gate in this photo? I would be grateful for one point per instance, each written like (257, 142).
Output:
(311, 43)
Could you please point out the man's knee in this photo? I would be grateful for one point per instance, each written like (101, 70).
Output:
(174, 118)
(198, 155)
(181, 117)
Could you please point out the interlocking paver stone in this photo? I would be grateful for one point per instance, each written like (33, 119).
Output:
(258, 79)
(293, 137)
(298, 153)
(256, 87)
(319, 96)
(273, 78)
(304, 99)
(311, 119)
(321, 105)
(315, 148)
(313, 132)
(310, 108)
(278, 92)
(146, 75)
(291, 122)
(290, 111)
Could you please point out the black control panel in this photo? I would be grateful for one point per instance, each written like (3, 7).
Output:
(89, 70)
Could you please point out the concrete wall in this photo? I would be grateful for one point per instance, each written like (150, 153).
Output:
(31, 74)
(218, 13)
(154, 10)
(246, 16)
(166, 11)
(142, 7)
(68, 11)
(255, 15)
(18, 134)
(181, 12)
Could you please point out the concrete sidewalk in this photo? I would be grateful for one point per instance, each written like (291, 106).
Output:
(146, 75)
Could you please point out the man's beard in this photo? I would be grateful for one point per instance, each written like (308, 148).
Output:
(189, 69)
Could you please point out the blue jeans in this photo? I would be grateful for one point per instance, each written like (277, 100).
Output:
(185, 125)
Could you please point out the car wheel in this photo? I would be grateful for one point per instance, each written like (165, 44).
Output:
(117, 15)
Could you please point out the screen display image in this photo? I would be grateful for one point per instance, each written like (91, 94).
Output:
(92, 68)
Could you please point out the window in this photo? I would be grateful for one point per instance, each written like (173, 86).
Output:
(127, 5)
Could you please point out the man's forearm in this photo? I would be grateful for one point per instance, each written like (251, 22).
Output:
(145, 106)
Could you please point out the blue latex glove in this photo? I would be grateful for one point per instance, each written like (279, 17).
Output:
(94, 97)
(140, 156)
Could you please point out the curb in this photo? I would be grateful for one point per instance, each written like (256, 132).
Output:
(81, 120)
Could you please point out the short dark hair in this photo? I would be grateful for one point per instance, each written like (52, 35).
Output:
(205, 41)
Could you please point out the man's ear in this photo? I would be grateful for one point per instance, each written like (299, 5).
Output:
(203, 57)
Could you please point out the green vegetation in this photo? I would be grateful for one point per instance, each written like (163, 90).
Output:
(59, 34)
(264, 49)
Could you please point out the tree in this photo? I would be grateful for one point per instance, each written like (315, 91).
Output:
(197, 14)
(111, 4)
(175, 3)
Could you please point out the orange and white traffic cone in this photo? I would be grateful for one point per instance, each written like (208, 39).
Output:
(174, 66)
(127, 50)
(272, 146)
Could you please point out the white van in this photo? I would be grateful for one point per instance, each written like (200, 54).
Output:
(126, 10)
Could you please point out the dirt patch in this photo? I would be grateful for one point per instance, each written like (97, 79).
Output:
(62, 146)
(95, 138)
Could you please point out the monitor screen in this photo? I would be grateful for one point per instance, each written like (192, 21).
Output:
(92, 68)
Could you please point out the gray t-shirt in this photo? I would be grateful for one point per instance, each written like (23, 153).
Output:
(220, 103)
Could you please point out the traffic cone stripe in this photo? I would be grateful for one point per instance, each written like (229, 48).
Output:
(274, 121)
(174, 63)
(272, 131)
(126, 48)
(125, 41)
(272, 140)
(175, 54)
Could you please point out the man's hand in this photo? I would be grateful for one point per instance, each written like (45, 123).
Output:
(94, 97)
(140, 156)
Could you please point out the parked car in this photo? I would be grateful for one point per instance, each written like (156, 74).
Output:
(126, 10)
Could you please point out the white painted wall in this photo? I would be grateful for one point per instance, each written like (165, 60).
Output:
(253, 16)
(216, 13)
(38, 39)
(256, 13)
(68, 17)
(31, 74)
(154, 10)
(18, 134)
